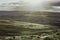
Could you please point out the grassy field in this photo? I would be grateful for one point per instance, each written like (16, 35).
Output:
(29, 24)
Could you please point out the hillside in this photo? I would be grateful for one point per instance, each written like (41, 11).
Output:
(7, 26)
(27, 22)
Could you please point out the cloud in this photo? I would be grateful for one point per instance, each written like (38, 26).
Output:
(28, 5)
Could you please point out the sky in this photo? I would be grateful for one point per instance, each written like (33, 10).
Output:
(25, 5)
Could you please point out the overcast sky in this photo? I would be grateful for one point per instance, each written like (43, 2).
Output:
(26, 5)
